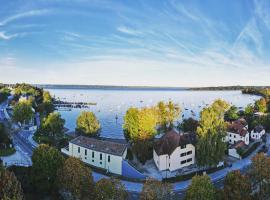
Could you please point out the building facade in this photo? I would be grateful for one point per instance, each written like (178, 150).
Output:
(257, 132)
(237, 131)
(174, 151)
(99, 153)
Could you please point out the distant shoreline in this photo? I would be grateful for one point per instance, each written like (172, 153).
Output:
(112, 87)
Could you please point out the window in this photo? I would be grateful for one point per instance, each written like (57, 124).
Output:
(79, 150)
(100, 163)
(189, 152)
(109, 158)
(85, 152)
(189, 160)
(93, 154)
(100, 156)
(234, 136)
(183, 146)
(183, 154)
(183, 162)
(230, 135)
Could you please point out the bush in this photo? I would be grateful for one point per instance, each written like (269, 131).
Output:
(129, 154)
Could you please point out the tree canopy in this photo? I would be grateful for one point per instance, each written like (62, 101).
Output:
(210, 147)
(10, 187)
(140, 124)
(46, 161)
(261, 105)
(201, 188)
(110, 189)
(156, 190)
(237, 186)
(76, 178)
(88, 124)
(232, 113)
(53, 125)
(22, 112)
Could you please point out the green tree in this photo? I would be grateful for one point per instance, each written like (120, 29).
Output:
(260, 174)
(232, 114)
(53, 125)
(46, 107)
(46, 161)
(88, 124)
(210, 147)
(76, 178)
(22, 112)
(173, 112)
(140, 124)
(110, 189)
(189, 125)
(10, 187)
(156, 190)
(261, 105)
(201, 188)
(167, 114)
(237, 186)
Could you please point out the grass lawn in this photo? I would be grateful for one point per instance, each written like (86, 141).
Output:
(7, 152)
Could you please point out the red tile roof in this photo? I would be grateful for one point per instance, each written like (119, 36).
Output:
(238, 127)
(171, 140)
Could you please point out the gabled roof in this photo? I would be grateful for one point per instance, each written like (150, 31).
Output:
(100, 145)
(171, 140)
(258, 129)
(238, 127)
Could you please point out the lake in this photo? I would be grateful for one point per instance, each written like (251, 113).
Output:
(112, 103)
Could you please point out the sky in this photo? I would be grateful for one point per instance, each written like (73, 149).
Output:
(135, 43)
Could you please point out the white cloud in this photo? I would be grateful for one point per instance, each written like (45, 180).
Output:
(22, 15)
(127, 30)
(4, 36)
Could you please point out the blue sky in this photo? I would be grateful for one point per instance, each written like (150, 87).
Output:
(142, 42)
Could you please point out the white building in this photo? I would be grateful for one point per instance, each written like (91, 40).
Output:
(100, 153)
(257, 132)
(174, 151)
(233, 149)
(238, 131)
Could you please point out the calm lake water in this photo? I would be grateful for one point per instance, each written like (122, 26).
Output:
(112, 103)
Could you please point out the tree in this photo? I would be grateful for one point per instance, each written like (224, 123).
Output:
(156, 190)
(220, 106)
(261, 105)
(88, 124)
(167, 114)
(189, 125)
(76, 178)
(201, 188)
(46, 161)
(53, 125)
(232, 114)
(10, 187)
(46, 107)
(210, 147)
(173, 112)
(140, 124)
(237, 186)
(260, 173)
(110, 189)
(22, 112)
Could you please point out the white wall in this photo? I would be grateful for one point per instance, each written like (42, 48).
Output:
(114, 166)
(232, 138)
(173, 162)
(233, 153)
(257, 136)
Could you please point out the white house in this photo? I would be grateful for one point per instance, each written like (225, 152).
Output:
(100, 153)
(233, 149)
(174, 151)
(257, 132)
(238, 131)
